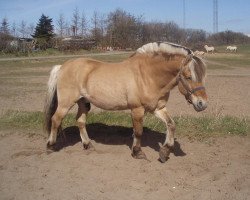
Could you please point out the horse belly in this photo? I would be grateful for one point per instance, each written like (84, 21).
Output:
(107, 94)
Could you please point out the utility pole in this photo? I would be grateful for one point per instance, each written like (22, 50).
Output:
(184, 14)
(215, 16)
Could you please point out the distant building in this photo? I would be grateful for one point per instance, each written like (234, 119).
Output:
(23, 44)
(74, 43)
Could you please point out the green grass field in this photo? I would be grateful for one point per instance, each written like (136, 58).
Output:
(47, 52)
(192, 127)
(226, 60)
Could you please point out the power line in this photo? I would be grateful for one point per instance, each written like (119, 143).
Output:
(215, 16)
(184, 14)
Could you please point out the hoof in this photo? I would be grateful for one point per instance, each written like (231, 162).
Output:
(138, 153)
(164, 154)
(51, 148)
(88, 146)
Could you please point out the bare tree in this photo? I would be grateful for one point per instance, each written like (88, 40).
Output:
(95, 21)
(174, 33)
(227, 37)
(195, 38)
(83, 24)
(5, 26)
(122, 29)
(14, 29)
(75, 21)
(30, 29)
(61, 25)
(99, 28)
(103, 24)
(67, 29)
(23, 28)
(153, 31)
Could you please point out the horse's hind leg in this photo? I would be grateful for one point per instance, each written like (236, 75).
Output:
(169, 141)
(56, 121)
(137, 118)
(64, 105)
(83, 109)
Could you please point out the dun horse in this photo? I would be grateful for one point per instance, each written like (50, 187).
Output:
(141, 83)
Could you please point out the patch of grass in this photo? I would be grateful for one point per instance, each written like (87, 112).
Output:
(245, 49)
(207, 126)
(24, 64)
(231, 61)
(47, 52)
(21, 120)
(55, 52)
(241, 49)
(192, 127)
(17, 64)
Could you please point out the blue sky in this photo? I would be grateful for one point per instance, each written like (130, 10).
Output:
(233, 14)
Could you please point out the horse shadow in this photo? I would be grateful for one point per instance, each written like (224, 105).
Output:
(113, 135)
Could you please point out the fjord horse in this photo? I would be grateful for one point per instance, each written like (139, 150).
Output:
(141, 83)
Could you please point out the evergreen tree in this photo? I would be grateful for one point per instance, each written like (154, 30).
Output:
(44, 32)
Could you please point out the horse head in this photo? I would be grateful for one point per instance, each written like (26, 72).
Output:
(192, 72)
(191, 79)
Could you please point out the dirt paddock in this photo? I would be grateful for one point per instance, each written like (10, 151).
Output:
(217, 168)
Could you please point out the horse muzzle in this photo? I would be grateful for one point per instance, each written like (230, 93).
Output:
(199, 104)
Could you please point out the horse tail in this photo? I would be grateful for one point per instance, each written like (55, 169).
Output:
(51, 101)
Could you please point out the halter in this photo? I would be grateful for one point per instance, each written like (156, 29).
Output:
(181, 78)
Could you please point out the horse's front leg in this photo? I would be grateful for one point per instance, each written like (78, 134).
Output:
(137, 118)
(169, 141)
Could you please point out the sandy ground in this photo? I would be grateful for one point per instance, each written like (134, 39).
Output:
(218, 168)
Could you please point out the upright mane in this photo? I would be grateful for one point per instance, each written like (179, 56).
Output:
(197, 66)
(164, 47)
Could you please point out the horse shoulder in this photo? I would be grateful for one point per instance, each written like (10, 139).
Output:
(149, 86)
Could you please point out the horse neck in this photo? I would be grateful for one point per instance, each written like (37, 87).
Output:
(166, 66)
(163, 69)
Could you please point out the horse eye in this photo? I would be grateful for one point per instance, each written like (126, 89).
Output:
(189, 78)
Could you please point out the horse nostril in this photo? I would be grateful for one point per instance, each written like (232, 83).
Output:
(200, 103)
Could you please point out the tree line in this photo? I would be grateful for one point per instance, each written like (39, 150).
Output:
(116, 29)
